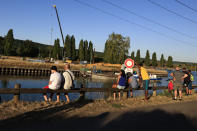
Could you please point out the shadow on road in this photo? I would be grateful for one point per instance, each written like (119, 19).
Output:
(133, 120)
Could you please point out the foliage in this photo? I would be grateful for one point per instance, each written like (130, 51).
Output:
(73, 49)
(154, 59)
(9, 40)
(56, 50)
(164, 93)
(85, 50)
(147, 58)
(169, 62)
(67, 47)
(162, 61)
(1, 45)
(116, 48)
(133, 55)
(81, 50)
(28, 49)
(90, 52)
(137, 58)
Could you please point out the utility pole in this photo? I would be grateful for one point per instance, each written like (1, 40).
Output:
(60, 29)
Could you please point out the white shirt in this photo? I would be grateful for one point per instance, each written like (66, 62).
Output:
(55, 78)
(68, 79)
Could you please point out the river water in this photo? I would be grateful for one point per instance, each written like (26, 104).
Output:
(40, 82)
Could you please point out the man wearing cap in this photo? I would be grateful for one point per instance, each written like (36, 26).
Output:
(54, 83)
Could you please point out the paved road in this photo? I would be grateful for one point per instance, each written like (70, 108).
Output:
(179, 116)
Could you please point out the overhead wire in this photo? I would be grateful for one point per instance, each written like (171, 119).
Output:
(133, 23)
(185, 5)
(172, 12)
(148, 19)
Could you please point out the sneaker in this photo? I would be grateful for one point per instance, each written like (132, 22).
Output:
(180, 99)
(174, 99)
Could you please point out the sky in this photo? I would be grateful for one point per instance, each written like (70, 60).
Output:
(156, 30)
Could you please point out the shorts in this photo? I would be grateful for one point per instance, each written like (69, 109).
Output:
(178, 87)
(190, 86)
(120, 87)
(146, 84)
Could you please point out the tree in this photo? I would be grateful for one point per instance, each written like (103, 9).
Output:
(169, 62)
(1, 45)
(27, 49)
(137, 58)
(56, 49)
(116, 48)
(9, 40)
(90, 52)
(154, 59)
(81, 50)
(67, 47)
(162, 61)
(147, 58)
(133, 55)
(73, 49)
(85, 50)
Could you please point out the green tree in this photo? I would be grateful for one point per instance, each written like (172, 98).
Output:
(73, 49)
(81, 50)
(154, 59)
(67, 47)
(137, 58)
(56, 49)
(1, 45)
(9, 40)
(90, 52)
(169, 62)
(147, 58)
(133, 55)
(116, 48)
(162, 61)
(86, 50)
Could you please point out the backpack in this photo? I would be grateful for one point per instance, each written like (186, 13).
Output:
(191, 77)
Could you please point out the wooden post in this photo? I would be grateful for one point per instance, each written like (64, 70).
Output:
(16, 97)
(154, 88)
(82, 93)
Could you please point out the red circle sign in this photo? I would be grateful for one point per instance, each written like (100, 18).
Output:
(129, 63)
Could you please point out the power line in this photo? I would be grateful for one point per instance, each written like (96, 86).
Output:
(147, 19)
(128, 21)
(187, 6)
(172, 12)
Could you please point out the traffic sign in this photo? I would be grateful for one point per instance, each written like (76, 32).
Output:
(129, 63)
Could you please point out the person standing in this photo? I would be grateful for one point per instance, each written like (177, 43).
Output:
(145, 79)
(186, 81)
(54, 83)
(69, 80)
(132, 83)
(178, 78)
(121, 82)
(190, 84)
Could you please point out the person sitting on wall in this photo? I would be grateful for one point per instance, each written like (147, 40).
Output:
(54, 84)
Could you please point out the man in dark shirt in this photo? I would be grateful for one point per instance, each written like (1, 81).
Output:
(186, 80)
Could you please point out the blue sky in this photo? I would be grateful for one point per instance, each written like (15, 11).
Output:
(34, 19)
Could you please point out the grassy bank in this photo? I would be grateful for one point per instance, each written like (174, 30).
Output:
(85, 108)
